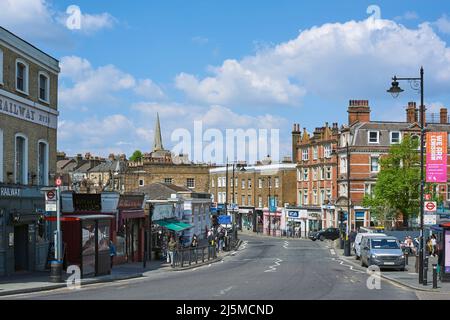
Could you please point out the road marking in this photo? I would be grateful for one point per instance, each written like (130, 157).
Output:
(222, 292)
(286, 244)
(273, 268)
(333, 252)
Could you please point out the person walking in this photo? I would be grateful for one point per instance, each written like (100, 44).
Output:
(112, 251)
(172, 247)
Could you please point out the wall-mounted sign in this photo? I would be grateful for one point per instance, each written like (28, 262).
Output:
(131, 201)
(163, 211)
(87, 202)
(293, 214)
(10, 192)
(436, 165)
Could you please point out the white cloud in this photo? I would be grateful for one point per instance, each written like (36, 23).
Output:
(408, 15)
(92, 23)
(443, 24)
(83, 84)
(335, 60)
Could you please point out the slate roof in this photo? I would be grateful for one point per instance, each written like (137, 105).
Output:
(161, 191)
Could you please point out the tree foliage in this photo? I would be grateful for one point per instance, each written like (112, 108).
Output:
(136, 156)
(397, 189)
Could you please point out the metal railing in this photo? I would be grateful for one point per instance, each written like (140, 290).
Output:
(193, 255)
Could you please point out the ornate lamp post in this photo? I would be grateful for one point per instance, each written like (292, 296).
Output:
(395, 90)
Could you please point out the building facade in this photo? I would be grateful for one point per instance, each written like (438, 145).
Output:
(28, 125)
(316, 175)
(248, 189)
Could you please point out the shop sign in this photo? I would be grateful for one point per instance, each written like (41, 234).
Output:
(87, 202)
(447, 251)
(163, 211)
(10, 192)
(131, 201)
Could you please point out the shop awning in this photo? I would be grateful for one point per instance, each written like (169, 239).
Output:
(173, 225)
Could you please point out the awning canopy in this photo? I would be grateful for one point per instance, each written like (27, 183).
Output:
(173, 225)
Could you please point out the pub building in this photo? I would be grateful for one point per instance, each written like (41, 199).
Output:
(88, 223)
(23, 234)
(131, 226)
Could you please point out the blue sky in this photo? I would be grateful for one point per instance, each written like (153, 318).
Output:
(231, 64)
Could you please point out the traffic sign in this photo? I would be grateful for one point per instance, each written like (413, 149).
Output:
(58, 182)
(430, 206)
(429, 219)
(428, 197)
(50, 195)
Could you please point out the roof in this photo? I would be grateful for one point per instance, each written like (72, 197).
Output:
(109, 165)
(67, 165)
(161, 191)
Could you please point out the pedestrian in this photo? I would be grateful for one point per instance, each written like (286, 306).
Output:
(171, 248)
(194, 242)
(112, 252)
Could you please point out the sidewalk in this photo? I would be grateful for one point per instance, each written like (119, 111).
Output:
(408, 278)
(40, 281)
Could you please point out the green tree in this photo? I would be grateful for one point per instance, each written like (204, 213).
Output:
(397, 190)
(136, 156)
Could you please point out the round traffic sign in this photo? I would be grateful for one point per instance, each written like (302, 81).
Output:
(50, 195)
(430, 206)
(58, 182)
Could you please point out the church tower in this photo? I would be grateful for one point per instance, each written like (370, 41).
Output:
(158, 153)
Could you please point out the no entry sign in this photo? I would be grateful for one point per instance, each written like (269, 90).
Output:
(430, 206)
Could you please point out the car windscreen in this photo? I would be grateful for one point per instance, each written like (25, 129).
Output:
(384, 244)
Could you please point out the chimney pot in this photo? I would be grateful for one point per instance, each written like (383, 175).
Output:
(443, 116)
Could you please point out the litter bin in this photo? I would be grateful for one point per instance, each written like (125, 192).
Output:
(56, 271)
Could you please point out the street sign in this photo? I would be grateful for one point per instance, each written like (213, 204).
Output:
(428, 197)
(50, 195)
(223, 219)
(58, 182)
(430, 206)
(429, 219)
(50, 206)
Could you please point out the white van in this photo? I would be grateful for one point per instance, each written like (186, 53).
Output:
(358, 239)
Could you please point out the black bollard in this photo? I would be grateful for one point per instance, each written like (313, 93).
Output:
(406, 257)
(434, 276)
(425, 272)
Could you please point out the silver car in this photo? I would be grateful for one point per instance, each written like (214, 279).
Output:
(384, 252)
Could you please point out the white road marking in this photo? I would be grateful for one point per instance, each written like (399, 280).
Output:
(333, 252)
(222, 292)
(273, 268)
(286, 244)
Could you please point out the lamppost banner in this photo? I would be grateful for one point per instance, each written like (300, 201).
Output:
(436, 168)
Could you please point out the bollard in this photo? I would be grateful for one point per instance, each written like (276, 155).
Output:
(425, 271)
(56, 271)
(406, 257)
(434, 276)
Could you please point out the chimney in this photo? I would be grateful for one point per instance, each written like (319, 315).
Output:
(443, 116)
(411, 112)
(87, 156)
(79, 158)
(111, 156)
(296, 134)
(358, 110)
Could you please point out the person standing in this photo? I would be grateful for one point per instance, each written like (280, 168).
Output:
(112, 252)
(172, 247)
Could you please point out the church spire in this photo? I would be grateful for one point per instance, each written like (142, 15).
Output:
(157, 143)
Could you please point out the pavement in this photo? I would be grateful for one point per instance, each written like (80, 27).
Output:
(40, 281)
(263, 268)
(408, 278)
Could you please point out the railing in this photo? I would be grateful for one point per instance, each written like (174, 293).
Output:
(193, 255)
(435, 118)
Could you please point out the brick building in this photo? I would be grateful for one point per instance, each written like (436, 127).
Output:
(316, 175)
(251, 186)
(28, 124)
(368, 141)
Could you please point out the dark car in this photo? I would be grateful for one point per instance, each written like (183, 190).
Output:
(330, 234)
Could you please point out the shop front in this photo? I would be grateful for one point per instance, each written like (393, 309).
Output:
(272, 222)
(247, 218)
(294, 224)
(24, 235)
(131, 227)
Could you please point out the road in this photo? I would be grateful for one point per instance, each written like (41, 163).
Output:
(263, 269)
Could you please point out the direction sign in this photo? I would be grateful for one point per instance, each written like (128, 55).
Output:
(50, 207)
(430, 206)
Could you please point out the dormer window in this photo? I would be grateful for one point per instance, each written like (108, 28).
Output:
(395, 137)
(374, 137)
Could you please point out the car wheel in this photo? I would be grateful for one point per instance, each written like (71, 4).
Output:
(322, 238)
(313, 239)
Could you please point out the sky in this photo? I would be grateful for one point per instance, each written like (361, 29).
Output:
(229, 64)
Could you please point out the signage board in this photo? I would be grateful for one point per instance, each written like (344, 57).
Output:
(10, 192)
(436, 164)
(447, 251)
(272, 204)
(430, 206)
(223, 219)
(430, 219)
(163, 211)
(50, 206)
(87, 202)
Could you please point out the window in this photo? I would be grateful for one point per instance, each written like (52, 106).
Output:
(300, 199)
(249, 183)
(314, 170)
(249, 200)
(169, 181)
(314, 196)
(395, 137)
(322, 196)
(259, 183)
(343, 164)
(374, 137)
(213, 183)
(231, 182)
(315, 152)
(1, 68)
(42, 163)
(374, 167)
(305, 174)
(277, 182)
(141, 182)
(305, 154)
(299, 175)
(369, 188)
(44, 84)
(190, 183)
(236, 182)
(21, 159)
(243, 200)
(305, 197)
(1, 156)
(328, 194)
(328, 173)
(21, 76)
(327, 151)
(243, 183)
(322, 173)
(260, 204)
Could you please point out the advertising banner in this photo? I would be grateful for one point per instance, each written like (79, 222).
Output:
(447, 251)
(436, 169)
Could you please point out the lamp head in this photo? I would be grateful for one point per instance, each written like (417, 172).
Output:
(395, 89)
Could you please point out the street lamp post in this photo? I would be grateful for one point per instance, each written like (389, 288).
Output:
(347, 240)
(395, 90)
(270, 222)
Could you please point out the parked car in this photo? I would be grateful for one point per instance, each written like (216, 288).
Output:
(312, 235)
(329, 233)
(382, 251)
(358, 239)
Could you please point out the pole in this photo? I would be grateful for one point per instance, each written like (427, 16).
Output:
(270, 222)
(58, 250)
(422, 129)
(347, 240)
